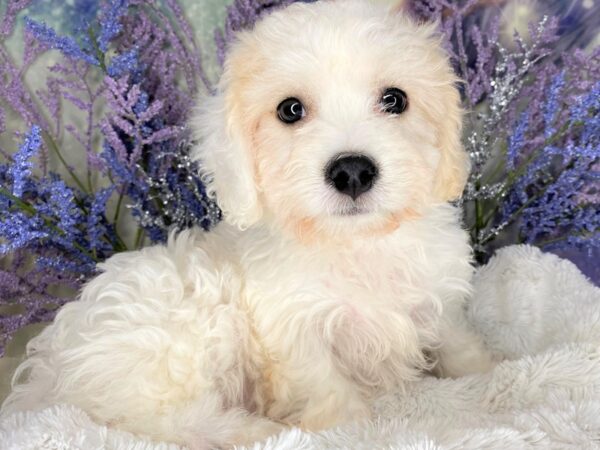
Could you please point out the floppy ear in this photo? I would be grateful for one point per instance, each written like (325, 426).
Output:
(453, 167)
(442, 104)
(224, 154)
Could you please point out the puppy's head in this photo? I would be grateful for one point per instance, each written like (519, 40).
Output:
(333, 118)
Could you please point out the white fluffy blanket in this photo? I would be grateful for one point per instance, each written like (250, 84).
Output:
(534, 309)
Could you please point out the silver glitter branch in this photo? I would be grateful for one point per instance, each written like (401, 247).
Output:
(485, 141)
(482, 142)
(175, 208)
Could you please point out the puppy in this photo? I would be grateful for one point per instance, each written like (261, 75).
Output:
(339, 273)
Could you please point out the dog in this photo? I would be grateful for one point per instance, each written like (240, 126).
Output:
(340, 271)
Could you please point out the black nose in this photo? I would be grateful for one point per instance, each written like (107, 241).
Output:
(352, 175)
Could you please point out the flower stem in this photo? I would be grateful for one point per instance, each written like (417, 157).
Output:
(118, 209)
(566, 236)
(99, 53)
(50, 142)
(23, 205)
(139, 238)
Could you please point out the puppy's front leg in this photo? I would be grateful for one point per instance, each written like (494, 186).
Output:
(316, 396)
(462, 351)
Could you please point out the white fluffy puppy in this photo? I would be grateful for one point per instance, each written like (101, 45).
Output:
(340, 272)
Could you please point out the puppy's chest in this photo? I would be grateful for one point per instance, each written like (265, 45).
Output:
(367, 315)
(375, 280)
(378, 297)
(366, 294)
(363, 288)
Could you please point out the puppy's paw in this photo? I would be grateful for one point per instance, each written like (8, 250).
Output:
(463, 353)
(257, 429)
(333, 412)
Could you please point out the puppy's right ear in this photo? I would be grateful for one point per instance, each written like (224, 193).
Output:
(224, 155)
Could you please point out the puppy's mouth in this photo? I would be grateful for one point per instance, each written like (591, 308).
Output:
(354, 210)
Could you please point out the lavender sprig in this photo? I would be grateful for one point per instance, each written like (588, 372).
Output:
(66, 45)
(22, 164)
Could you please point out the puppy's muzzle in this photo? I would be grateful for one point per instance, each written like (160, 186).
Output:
(351, 175)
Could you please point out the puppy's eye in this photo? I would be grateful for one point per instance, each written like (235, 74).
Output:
(394, 101)
(290, 110)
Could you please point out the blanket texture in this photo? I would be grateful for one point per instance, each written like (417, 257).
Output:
(536, 311)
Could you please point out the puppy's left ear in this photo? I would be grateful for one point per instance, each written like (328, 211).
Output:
(454, 165)
(225, 158)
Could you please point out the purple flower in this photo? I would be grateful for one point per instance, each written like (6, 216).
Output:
(10, 14)
(20, 285)
(96, 220)
(60, 264)
(586, 104)
(19, 230)
(2, 121)
(21, 167)
(552, 106)
(59, 203)
(116, 166)
(516, 140)
(111, 13)
(149, 85)
(124, 63)
(66, 45)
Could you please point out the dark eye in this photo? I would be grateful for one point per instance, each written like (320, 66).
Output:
(394, 101)
(290, 110)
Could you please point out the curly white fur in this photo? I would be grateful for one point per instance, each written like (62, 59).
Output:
(293, 311)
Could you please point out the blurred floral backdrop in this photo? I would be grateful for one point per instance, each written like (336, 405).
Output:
(94, 96)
